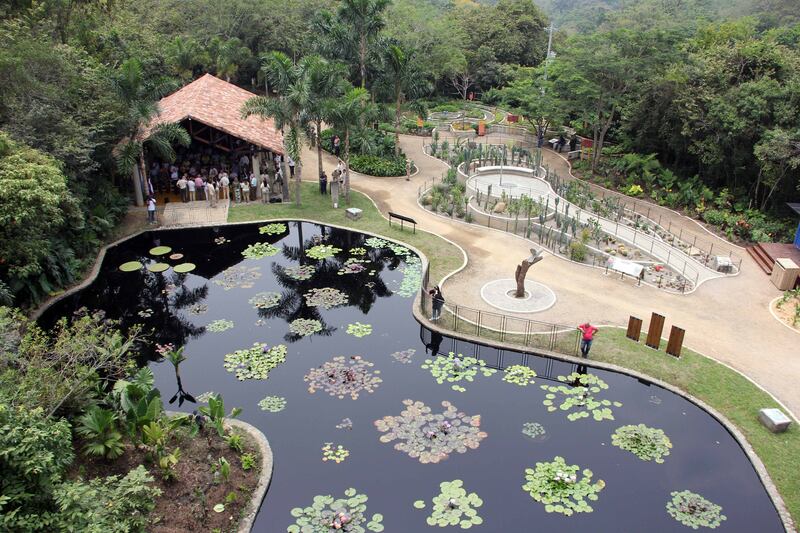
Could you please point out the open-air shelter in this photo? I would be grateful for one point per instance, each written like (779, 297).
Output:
(210, 110)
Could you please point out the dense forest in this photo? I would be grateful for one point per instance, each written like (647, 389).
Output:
(695, 101)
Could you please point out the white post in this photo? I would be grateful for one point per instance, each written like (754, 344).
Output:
(256, 162)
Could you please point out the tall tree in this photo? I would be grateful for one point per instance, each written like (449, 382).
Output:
(405, 80)
(365, 19)
(140, 97)
(184, 54)
(326, 80)
(228, 56)
(290, 110)
(535, 99)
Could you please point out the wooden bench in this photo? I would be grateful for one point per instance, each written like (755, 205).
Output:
(402, 219)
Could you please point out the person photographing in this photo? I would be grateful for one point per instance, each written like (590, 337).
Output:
(587, 337)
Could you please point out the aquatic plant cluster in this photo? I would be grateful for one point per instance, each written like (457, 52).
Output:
(218, 326)
(334, 452)
(694, 511)
(259, 250)
(359, 330)
(272, 229)
(300, 272)
(646, 443)
(326, 298)
(238, 276)
(579, 397)
(454, 369)
(412, 269)
(256, 362)
(534, 430)
(273, 404)
(341, 377)
(519, 375)
(430, 437)
(353, 265)
(328, 514)
(322, 251)
(265, 300)
(404, 356)
(453, 506)
(305, 327)
(562, 488)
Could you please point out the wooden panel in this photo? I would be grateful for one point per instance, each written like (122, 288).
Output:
(655, 330)
(634, 328)
(675, 343)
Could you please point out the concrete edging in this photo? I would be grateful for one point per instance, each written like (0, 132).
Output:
(771, 307)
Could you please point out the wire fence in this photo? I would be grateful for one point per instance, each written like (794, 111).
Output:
(499, 327)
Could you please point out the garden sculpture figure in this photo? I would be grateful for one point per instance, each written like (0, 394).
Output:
(522, 271)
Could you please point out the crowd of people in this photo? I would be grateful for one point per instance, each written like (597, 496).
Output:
(211, 177)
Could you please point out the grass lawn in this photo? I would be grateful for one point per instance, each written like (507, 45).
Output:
(717, 385)
(443, 256)
(723, 389)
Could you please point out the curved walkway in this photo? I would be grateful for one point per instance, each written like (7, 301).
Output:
(727, 319)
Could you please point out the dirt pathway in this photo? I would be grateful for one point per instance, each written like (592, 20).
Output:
(726, 318)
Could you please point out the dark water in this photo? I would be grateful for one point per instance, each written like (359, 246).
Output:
(704, 459)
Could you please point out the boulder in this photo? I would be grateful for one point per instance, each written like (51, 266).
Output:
(499, 207)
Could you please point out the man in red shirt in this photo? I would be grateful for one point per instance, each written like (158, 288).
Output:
(588, 331)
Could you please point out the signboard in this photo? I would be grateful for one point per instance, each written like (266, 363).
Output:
(481, 128)
(626, 267)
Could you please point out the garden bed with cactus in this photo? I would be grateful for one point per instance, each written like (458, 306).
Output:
(787, 308)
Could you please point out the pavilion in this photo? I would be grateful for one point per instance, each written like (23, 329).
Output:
(209, 109)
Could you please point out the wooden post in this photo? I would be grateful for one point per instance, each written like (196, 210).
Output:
(675, 342)
(634, 328)
(655, 330)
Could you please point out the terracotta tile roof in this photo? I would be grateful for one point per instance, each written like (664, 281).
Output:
(216, 103)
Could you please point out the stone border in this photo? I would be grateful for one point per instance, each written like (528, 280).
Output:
(513, 284)
(419, 316)
(771, 307)
(758, 465)
(265, 474)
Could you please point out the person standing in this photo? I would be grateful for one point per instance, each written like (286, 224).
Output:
(323, 183)
(236, 191)
(181, 184)
(561, 142)
(151, 209)
(244, 164)
(573, 142)
(210, 192)
(264, 190)
(437, 302)
(199, 187)
(290, 162)
(253, 187)
(587, 337)
(336, 145)
(190, 185)
(335, 188)
(245, 185)
(224, 183)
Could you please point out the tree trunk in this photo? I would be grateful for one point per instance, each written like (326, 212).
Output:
(397, 126)
(362, 57)
(519, 276)
(319, 147)
(347, 167)
(298, 171)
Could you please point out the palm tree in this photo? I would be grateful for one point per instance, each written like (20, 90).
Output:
(140, 98)
(228, 56)
(184, 54)
(290, 109)
(347, 114)
(327, 80)
(405, 80)
(365, 19)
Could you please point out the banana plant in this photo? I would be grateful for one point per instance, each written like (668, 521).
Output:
(215, 411)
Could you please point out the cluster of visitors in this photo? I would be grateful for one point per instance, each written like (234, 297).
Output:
(562, 142)
(208, 176)
(336, 182)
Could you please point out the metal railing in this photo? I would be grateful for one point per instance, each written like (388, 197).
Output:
(503, 328)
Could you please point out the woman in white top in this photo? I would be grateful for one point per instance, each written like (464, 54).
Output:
(224, 182)
(190, 185)
(211, 194)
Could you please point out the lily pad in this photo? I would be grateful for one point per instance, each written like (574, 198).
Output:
(256, 362)
(131, 266)
(218, 326)
(694, 511)
(272, 229)
(176, 256)
(453, 506)
(580, 395)
(160, 250)
(359, 330)
(183, 268)
(340, 377)
(260, 250)
(273, 404)
(334, 452)
(328, 514)
(562, 488)
(157, 267)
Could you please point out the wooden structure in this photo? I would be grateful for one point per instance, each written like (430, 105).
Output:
(675, 343)
(402, 218)
(654, 331)
(634, 328)
(210, 110)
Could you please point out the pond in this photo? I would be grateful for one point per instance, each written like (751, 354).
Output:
(355, 404)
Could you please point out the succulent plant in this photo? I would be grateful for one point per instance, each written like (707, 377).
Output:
(273, 404)
(562, 488)
(429, 437)
(580, 397)
(453, 506)
(327, 514)
(340, 377)
(359, 330)
(305, 327)
(454, 369)
(326, 297)
(519, 375)
(259, 250)
(256, 362)
(694, 511)
(238, 276)
(272, 229)
(219, 326)
(322, 251)
(646, 443)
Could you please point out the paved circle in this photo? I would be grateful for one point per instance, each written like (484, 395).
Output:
(500, 295)
(513, 183)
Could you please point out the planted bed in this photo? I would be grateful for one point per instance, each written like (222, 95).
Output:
(375, 426)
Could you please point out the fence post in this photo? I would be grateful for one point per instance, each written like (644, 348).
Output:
(503, 329)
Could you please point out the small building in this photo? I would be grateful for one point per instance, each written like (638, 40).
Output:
(210, 110)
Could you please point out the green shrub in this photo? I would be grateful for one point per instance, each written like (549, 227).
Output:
(98, 426)
(379, 166)
(577, 251)
(449, 108)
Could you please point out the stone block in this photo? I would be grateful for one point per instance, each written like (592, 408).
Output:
(774, 420)
(353, 213)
